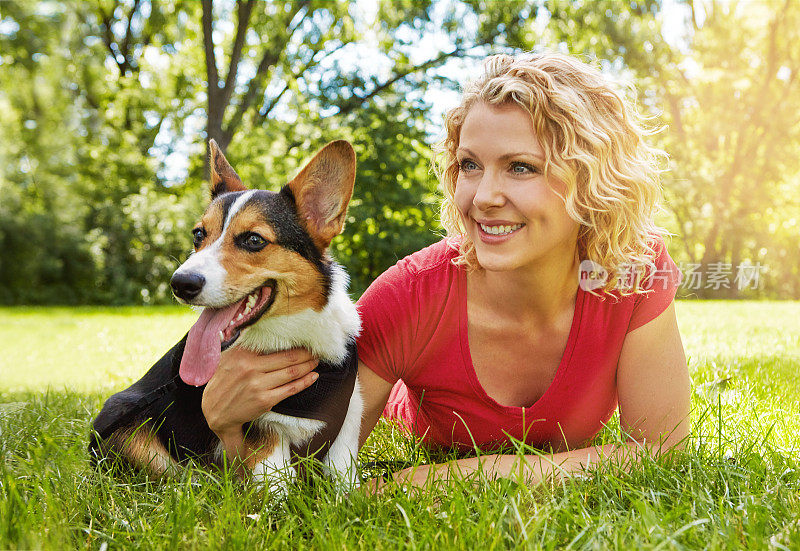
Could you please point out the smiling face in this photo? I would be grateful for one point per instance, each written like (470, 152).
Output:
(509, 210)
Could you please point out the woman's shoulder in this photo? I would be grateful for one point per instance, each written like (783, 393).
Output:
(642, 292)
(661, 276)
(432, 258)
(402, 308)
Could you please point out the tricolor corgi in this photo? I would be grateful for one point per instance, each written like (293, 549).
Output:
(261, 271)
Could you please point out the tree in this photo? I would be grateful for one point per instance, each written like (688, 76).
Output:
(295, 41)
(107, 83)
(100, 99)
(44, 254)
(80, 133)
(304, 90)
(733, 107)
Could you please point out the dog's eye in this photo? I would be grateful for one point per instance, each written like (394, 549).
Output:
(251, 241)
(198, 234)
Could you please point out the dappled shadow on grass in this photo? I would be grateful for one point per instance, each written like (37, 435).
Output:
(736, 485)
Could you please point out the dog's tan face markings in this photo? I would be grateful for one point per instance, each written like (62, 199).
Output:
(299, 284)
(211, 222)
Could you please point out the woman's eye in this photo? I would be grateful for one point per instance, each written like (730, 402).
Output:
(198, 234)
(522, 168)
(466, 165)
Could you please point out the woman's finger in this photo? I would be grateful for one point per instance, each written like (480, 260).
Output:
(244, 361)
(274, 379)
(284, 359)
(291, 388)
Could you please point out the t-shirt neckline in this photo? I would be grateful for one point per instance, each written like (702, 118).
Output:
(469, 367)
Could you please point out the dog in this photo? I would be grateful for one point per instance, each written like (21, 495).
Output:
(261, 270)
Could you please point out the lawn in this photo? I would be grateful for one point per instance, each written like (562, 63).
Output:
(737, 485)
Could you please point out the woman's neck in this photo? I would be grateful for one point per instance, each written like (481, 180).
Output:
(537, 293)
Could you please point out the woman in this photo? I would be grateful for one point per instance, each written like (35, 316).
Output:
(491, 333)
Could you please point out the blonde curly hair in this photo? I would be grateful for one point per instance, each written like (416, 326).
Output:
(593, 141)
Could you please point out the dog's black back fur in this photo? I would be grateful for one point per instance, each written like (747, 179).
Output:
(160, 401)
(176, 416)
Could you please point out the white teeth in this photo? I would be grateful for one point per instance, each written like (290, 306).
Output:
(501, 229)
(239, 317)
(248, 307)
(221, 336)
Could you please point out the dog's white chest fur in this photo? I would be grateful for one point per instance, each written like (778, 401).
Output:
(326, 333)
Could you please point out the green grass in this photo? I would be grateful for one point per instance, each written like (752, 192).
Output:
(736, 486)
(85, 349)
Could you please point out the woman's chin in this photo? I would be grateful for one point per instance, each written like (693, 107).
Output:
(494, 262)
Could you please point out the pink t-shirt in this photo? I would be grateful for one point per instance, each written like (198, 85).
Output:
(414, 319)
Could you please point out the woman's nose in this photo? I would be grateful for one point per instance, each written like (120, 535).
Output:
(489, 193)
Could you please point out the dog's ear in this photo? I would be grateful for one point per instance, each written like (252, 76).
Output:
(323, 189)
(223, 177)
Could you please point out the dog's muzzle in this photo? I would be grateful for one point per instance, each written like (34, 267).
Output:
(187, 286)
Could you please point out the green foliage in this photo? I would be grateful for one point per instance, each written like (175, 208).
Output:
(106, 106)
(108, 90)
(78, 160)
(394, 210)
(154, 226)
(733, 106)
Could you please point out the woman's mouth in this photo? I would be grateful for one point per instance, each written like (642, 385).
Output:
(494, 233)
(501, 229)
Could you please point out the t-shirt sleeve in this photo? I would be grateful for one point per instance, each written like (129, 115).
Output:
(662, 285)
(389, 316)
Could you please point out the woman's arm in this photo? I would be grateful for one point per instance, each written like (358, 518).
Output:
(529, 469)
(653, 388)
(375, 390)
(653, 383)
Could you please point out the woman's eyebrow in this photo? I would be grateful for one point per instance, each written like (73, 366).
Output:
(505, 156)
(536, 156)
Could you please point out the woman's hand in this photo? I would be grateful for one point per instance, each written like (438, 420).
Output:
(421, 476)
(416, 477)
(247, 385)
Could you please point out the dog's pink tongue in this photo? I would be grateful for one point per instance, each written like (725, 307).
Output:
(203, 347)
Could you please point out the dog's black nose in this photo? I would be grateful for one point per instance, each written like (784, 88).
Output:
(187, 285)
